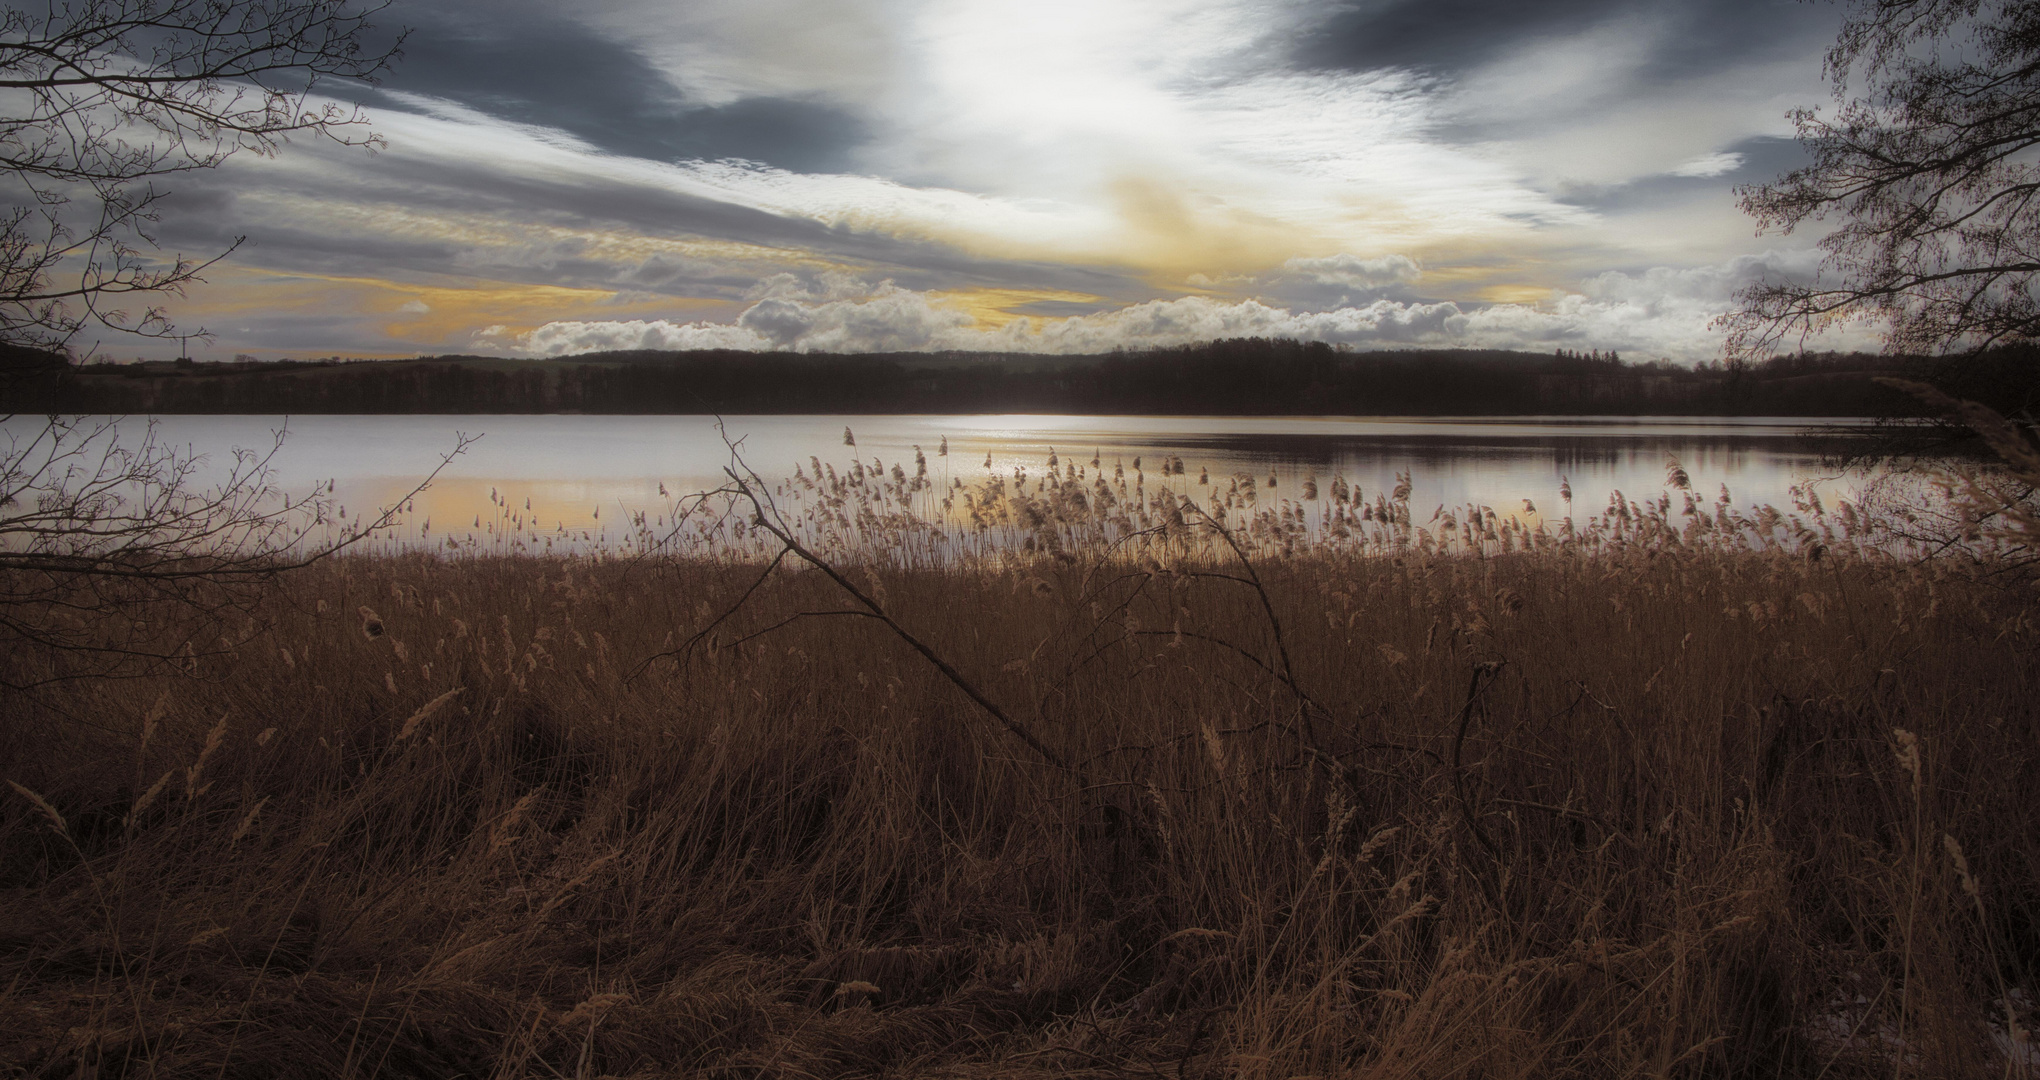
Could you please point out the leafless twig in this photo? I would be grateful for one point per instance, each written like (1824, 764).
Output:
(92, 528)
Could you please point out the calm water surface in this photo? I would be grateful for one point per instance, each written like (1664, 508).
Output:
(584, 475)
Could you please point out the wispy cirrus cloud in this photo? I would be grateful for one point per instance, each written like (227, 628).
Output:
(1057, 176)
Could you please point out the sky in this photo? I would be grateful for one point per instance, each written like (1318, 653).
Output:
(1044, 176)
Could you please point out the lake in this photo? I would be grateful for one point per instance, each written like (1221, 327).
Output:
(579, 481)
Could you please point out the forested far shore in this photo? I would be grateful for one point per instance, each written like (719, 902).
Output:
(1234, 377)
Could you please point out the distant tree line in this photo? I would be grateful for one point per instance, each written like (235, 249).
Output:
(1243, 376)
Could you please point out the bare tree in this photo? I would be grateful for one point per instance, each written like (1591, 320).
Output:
(131, 557)
(1929, 167)
(100, 98)
(99, 101)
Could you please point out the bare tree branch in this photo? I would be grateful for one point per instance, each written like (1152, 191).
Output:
(1927, 165)
(747, 486)
(93, 528)
(99, 98)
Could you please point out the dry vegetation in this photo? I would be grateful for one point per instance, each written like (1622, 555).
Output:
(1655, 799)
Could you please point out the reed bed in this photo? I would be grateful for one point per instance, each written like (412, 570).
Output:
(1676, 791)
(904, 515)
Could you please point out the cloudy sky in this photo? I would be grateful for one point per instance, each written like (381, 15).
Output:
(1053, 175)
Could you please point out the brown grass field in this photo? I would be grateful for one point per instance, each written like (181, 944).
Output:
(1635, 808)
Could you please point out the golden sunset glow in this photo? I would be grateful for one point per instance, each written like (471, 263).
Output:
(993, 308)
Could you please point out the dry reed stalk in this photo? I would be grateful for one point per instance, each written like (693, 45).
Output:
(213, 738)
(1677, 744)
(49, 812)
(425, 712)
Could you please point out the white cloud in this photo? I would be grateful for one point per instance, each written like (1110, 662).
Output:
(828, 284)
(1112, 145)
(1710, 165)
(569, 337)
(869, 203)
(1705, 285)
(1595, 107)
(1192, 319)
(1661, 312)
(891, 320)
(1318, 147)
(1050, 131)
(1354, 272)
(447, 139)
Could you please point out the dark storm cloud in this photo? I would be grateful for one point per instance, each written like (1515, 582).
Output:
(535, 67)
(1443, 34)
(1452, 36)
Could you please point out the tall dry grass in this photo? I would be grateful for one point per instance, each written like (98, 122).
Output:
(1643, 803)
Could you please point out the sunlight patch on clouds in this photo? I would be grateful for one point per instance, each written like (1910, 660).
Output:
(1518, 294)
(991, 309)
(868, 203)
(1191, 162)
(1179, 119)
(1357, 156)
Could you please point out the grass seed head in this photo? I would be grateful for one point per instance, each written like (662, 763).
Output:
(248, 822)
(48, 811)
(213, 738)
(1905, 746)
(425, 712)
(1954, 849)
(593, 1010)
